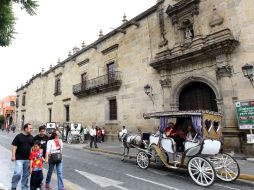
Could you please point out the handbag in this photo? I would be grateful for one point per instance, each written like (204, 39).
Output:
(56, 157)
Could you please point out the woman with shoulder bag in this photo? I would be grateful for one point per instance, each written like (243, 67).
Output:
(54, 158)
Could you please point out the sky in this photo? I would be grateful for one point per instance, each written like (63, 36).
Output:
(58, 26)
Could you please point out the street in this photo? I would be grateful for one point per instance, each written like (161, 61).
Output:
(92, 171)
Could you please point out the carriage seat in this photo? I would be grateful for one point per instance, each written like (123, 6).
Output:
(211, 147)
(190, 144)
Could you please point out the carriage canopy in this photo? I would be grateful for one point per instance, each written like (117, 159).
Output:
(207, 124)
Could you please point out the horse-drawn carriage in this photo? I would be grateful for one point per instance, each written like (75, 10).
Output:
(72, 132)
(202, 156)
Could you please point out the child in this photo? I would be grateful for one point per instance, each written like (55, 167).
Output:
(36, 160)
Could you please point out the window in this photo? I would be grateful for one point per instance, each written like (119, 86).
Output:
(23, 100)
(112, 109)
(67, 113)
(12, 103)
(57, 87)
(111, 72)
(50, 114)
(84, 80)
(17, 103)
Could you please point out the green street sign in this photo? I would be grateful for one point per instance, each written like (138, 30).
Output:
(245, 114)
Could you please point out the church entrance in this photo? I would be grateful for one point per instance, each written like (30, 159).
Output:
(197, 95)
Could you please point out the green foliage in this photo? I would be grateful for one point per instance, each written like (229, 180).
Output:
(7, 18)
(1, 119)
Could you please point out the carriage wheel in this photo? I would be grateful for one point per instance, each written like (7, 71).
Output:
(143, 160)
(226, 167)
(201, 171)
(69, 138)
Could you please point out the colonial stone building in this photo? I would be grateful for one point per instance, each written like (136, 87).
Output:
(188, 52)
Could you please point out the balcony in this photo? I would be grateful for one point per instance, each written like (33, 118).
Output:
(108, 82)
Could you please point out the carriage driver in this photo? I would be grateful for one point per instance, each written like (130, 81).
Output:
(175, 132)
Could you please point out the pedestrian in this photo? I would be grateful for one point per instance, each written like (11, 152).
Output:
(36, 159)
(54, 158)
(21, 147)
(92, 133)
(42, 138)
(99, 135)
(8, 128)
(96, 136)
(124, 130)
(13, 128)
(85, 133)
(102, 134)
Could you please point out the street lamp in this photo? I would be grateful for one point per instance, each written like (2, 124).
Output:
(247, 70)
(148, 90)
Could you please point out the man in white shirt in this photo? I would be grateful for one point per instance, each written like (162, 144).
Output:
(92, 133)
(124, 130)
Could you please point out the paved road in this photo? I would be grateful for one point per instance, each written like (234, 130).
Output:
(94, 171)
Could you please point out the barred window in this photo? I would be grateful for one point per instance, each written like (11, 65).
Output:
(67, 113)
(112, 109)
(23, 100)
(50, 114)
(57, 86)
(17, 103)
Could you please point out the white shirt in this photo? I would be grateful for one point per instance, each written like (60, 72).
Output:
(51, 146)
(124, 131)
(92, 132)
(103, 131)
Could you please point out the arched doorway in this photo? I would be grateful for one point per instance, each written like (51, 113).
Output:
(197, 95)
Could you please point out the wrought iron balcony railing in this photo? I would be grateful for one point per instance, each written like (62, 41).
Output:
(110, 81)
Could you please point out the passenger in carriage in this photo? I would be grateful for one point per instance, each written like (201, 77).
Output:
(190, 133)
(175, 132)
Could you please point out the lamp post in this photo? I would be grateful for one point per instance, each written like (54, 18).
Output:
(148, 90)
(247, 70)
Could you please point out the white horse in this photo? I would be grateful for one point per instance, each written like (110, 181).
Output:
(129, 141)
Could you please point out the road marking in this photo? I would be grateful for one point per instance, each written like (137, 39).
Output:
(226, 186)
(102, 181)
(149, 181)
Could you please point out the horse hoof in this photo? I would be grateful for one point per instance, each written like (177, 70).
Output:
(122, 159)
(129, 157)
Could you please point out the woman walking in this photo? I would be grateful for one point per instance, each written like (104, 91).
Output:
(54, 158)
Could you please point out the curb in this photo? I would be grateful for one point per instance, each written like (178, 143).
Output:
(241, 176)
(246, 177)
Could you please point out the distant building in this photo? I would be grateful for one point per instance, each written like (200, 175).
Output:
(7, 109)
(186, 54)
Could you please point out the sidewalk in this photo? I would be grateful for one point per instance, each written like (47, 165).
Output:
(7, 168)
(246, 167)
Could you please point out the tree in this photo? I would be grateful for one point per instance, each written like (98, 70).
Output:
(7, 18)
(1, 119)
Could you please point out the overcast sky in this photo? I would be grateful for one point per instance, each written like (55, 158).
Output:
(58, 26)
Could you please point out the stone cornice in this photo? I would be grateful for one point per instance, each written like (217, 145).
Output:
(110, 49)
(220, 42)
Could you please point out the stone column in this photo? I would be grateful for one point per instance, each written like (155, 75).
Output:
(165, 83)
(231, 133)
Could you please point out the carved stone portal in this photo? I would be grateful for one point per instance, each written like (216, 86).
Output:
(182, 15)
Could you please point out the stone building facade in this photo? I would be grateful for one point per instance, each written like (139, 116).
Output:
(189, 52)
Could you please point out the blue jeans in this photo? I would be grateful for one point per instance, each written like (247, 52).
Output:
(59, 171)
(22, 168)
